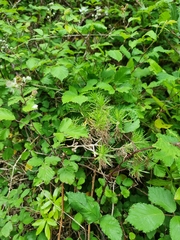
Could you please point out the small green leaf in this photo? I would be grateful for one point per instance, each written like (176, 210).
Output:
(66, 175)
(163, 198)
(46, 173)
(77, 220)
(14, 99)
(59, 72)
(175, 227)
(5, 114)
(32, 63)
(38, 127)
(85, 205)
(115, 54)
(145, 217)
(106, 87)
(177, 194)
(70, 96)
(68, 128)
(47, 231)
(6, 229)
(52, 160)
(111, 227)
(35, 161)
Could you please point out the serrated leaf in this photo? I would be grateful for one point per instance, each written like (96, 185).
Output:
(145, 217)
(111, 227)
(35, 161)
(106, 86)
(68, 128)
(167, 151)
(70, 96)
(52, 160)
(163, 198)
(32, 63)
(66, 175)
(6, 114)
(115, 54)
(175, 227)
(85, 205)
(46, 173)
(38, 127)
(14, 99)
(59, 72)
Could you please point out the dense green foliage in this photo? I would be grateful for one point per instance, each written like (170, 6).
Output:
(89, 120)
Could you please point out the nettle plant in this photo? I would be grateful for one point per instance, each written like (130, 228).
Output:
(89, 120)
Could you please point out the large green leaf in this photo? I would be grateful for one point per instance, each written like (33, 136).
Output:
(85, 205)
(145, 217)
(111, 227)
(175, 227)
(163, 198)
(6, 114)
(59, 72)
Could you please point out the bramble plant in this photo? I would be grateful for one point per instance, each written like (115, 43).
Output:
(89, 120)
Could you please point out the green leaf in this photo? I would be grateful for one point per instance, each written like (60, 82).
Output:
(47, 231)
(32, 63)
(5, 114)
(145, 217)
(131, 126)
(106, 86)
(175, 227)
(14, 99)
(159, 123)
(124, 51)
(85, 205)
(167, 153)
(59, 72)
(177, 194)
(70, 96)
(115, 54)
(38, 127)
(30, 105)
(4, 133)
(111, 227)
(68, 128)
(66, 175)
(52, 160)
(151, 34)
(6, 229)
(46, 173)
(77, 220)
(35, 161)
(163, 198)
(154, 66)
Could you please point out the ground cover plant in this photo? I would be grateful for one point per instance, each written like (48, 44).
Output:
(89, 120)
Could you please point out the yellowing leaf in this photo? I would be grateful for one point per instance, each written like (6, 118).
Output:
(28, 167)
(160, 124)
